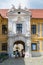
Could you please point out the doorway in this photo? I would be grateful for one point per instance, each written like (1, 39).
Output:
(19, 49)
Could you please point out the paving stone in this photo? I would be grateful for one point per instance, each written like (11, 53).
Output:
(25, 61)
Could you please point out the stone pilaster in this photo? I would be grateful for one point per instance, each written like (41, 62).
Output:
(10, 46)
(28, 48)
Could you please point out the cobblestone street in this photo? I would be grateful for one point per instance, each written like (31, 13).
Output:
(21, 61)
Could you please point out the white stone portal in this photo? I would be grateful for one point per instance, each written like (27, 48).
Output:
(19, 16)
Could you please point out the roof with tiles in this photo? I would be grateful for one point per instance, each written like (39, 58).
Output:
(36, 13)
(3, 12)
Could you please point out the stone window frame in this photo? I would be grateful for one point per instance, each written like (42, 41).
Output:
(18, 27)
(33, 29)
(4, 29)
(32, 45)
(4, 46)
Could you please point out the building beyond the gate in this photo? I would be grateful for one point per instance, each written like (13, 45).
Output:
(22, 28)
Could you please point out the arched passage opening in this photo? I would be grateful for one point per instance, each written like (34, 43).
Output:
(19, 49)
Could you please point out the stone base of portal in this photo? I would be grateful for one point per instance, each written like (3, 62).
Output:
(27, 55)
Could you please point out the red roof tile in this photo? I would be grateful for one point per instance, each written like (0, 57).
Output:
(3, 12)
(36, 13)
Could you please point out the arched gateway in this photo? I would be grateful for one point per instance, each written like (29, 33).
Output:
(19, 49)
(19, 32)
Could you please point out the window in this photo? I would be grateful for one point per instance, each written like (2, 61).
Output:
(33, 46)
(4, 29)
(33, 29)
(19, 28)
(4, 46)
(19, 12)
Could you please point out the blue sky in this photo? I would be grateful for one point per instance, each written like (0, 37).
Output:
(28, 3)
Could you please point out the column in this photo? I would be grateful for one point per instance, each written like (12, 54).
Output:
(40, 36)
(10, 46)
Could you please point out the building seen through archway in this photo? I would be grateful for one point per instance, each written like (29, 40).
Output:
(19, 49)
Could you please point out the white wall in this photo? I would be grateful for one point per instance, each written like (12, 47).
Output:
(12, 21)
(25, 26)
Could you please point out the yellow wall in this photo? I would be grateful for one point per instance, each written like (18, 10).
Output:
(35, 37)
(3, 37)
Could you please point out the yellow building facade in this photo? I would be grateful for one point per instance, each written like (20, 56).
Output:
(3, 37)
(36, 36)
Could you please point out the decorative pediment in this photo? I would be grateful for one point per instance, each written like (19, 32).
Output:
(14, 11)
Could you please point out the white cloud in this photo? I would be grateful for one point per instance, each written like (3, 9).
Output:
(8, 3)
(27, 3)
(36, 4)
